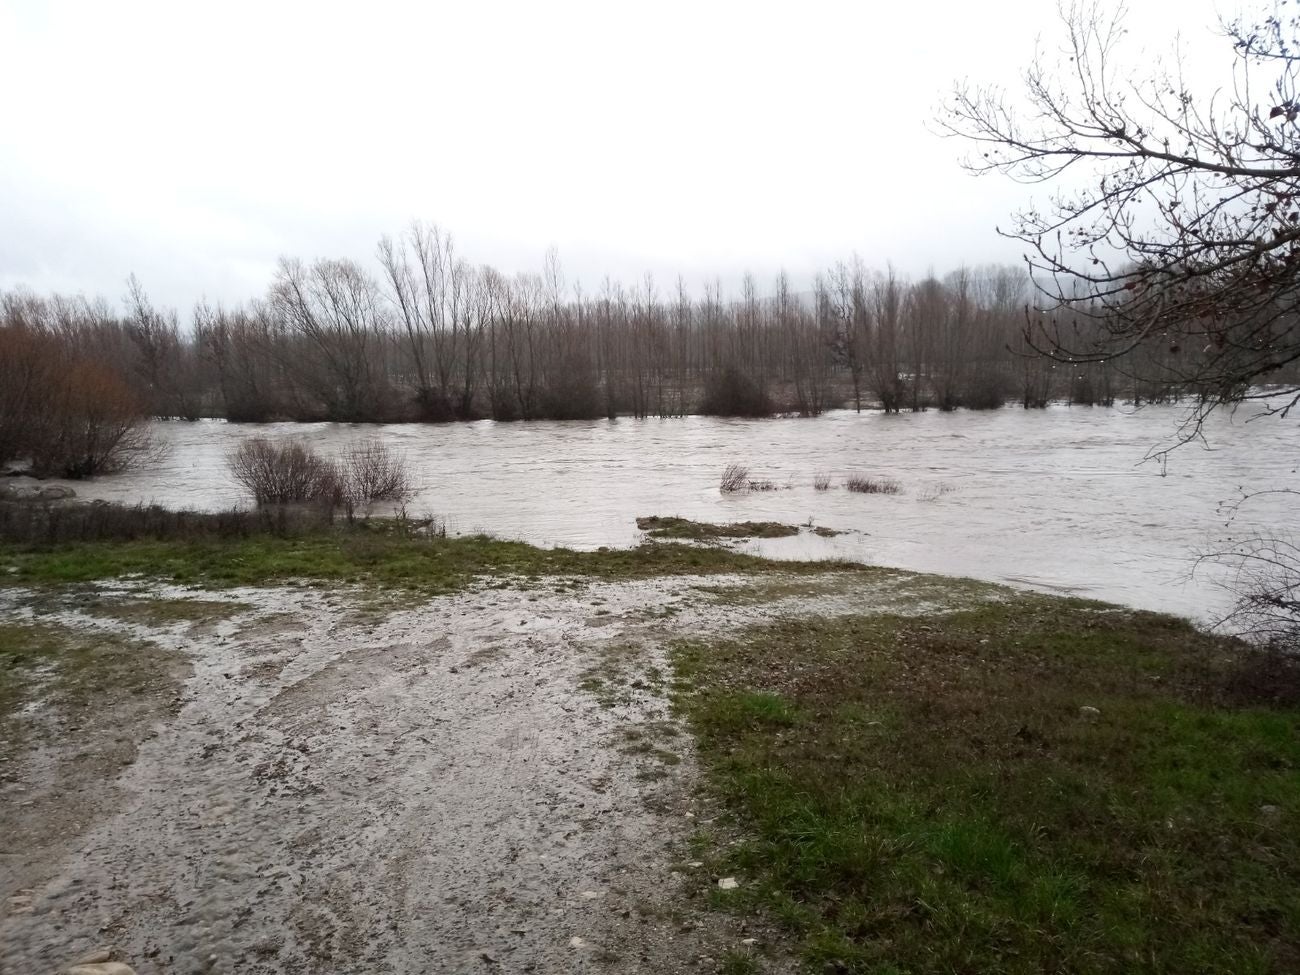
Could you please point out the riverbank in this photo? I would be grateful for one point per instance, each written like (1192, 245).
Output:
(365, 750)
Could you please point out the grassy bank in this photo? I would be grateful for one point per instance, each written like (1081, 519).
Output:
(1034, 785)
(375, 553)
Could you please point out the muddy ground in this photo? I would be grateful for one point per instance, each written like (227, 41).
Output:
(316, 781)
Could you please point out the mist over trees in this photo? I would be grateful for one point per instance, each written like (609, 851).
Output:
(425, 335)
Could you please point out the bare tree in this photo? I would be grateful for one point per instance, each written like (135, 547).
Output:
(333, 307)
(239, 347)
(426, 289)
(1176, 224)
(886, 310)
(29, 368)
(842, 309)
(66, 407)
(171, 380)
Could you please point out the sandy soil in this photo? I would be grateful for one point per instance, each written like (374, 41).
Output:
(492, 781)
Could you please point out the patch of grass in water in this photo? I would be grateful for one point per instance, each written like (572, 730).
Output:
(926, 795)
(684, 528)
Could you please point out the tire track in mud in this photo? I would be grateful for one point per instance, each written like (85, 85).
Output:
(430, 790)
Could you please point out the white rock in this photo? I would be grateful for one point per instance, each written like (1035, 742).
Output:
(95, 957)
(1088, 711)
(728, 883)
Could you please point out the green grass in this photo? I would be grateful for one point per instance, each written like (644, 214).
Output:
(925, 794)
(738, 963)
(684, 528)
(363, 555)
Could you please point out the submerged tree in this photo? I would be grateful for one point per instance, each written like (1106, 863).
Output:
(1174, 231)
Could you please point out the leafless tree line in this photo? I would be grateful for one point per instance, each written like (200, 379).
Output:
(429, 336)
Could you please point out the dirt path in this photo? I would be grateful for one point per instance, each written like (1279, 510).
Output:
(486, 782)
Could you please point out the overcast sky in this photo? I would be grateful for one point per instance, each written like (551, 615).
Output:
(194, 144)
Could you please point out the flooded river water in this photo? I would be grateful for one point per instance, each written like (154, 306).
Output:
(1059, 499)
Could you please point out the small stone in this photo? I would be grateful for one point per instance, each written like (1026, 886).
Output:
(695, 864)
(749, 941)
(1269, 810)
(576, 942)
(728, 883)
(592, 895)
(1088, 711)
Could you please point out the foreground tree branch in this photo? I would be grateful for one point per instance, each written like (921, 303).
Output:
(1171, 241)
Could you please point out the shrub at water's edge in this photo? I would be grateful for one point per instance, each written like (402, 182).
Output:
(366, 472)
(63, 413)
